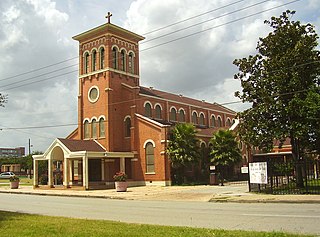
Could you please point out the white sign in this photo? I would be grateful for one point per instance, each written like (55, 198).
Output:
(244, 169)
(258, 173)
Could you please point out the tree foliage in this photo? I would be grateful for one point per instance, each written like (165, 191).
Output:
(225, 150)
(183, 148)
(282, 83)
(3, 99)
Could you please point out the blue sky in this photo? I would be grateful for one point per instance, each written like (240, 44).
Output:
(37, 33)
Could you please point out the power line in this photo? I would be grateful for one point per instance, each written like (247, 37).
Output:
(46, 79)
(183, 37)
(152, 31)
(226, 103)
(44, 74)
(38, 69)
(200, 23)
(217, 26)
(193, 17)
(76, 124)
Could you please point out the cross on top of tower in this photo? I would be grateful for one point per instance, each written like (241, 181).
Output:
(109, 16)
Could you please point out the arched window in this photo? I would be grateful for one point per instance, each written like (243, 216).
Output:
(94, 128)
(149, 157)
(94, 60)
(228, 122)
(219, 122)
(86, 63)
(131, 63)
(127, 127)
(173, 114)
(201, 119)
(115, 58)
(123, 60)
(213, 121)
(101, 58)
(194, 117)
(101, 127)
(182, 116)
(158, 112)
(147, 110)
(86, 128)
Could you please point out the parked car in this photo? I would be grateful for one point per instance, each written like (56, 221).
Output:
(6, 175)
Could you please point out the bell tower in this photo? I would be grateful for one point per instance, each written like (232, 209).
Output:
(108, 60)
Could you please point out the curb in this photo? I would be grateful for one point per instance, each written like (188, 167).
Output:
(221, 199)
(66, 195)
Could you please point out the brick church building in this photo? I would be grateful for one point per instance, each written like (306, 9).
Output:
(122, 126)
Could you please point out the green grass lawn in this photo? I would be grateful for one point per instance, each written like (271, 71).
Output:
(23, 181)
(16, 224)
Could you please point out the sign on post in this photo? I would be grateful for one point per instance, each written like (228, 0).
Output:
(258, 173)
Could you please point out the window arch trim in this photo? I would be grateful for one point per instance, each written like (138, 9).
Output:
(102, 117)
(203, 142)
(159, 105)
(147, 102)
(131, 52)
(202, 114)
(194, 111)
(128, 116)
(147, 141)
(115, 46)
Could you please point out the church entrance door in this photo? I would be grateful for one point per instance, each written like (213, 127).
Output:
(94, 170)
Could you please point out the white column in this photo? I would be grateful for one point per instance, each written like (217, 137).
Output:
(50, 173)
(122, 164)
(84, 184)
(70, 177)
(65, 172)
(85, 172)
(35, 173)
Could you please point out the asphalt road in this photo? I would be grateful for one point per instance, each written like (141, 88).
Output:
(296, 218)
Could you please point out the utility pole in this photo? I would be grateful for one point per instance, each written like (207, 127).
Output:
(29, 146)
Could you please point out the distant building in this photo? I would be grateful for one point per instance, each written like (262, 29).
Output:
(12, 152)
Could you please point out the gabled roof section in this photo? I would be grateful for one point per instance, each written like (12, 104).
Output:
(82, 145)
(183, 100)
(108, 28)
(235, 125)
(153, 122)
(207, 132)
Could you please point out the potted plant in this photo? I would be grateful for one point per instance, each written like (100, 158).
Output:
(120, 179)
(14, 182)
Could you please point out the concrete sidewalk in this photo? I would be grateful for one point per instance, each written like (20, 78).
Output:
(202, 193)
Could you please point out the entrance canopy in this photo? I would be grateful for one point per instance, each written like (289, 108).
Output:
(67, 150)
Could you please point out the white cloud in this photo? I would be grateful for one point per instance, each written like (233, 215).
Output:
(37, 33)
(47, 10)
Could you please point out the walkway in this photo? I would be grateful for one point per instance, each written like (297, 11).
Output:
(201, 193)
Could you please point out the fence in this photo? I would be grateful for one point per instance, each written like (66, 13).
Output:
(288, 177)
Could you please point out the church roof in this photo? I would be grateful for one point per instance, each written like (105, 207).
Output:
(81, 145)
(107, 28)
(184, 100)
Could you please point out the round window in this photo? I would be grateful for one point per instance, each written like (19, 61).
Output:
(93, 94)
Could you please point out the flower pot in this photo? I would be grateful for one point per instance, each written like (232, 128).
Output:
(14, 184)
(121, 186)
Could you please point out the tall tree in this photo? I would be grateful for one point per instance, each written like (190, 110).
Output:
(3, 99)
(183, 148)
(282, 83)
(225, 150)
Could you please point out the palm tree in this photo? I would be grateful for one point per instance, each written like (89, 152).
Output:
(225, 150)
(183, 149)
